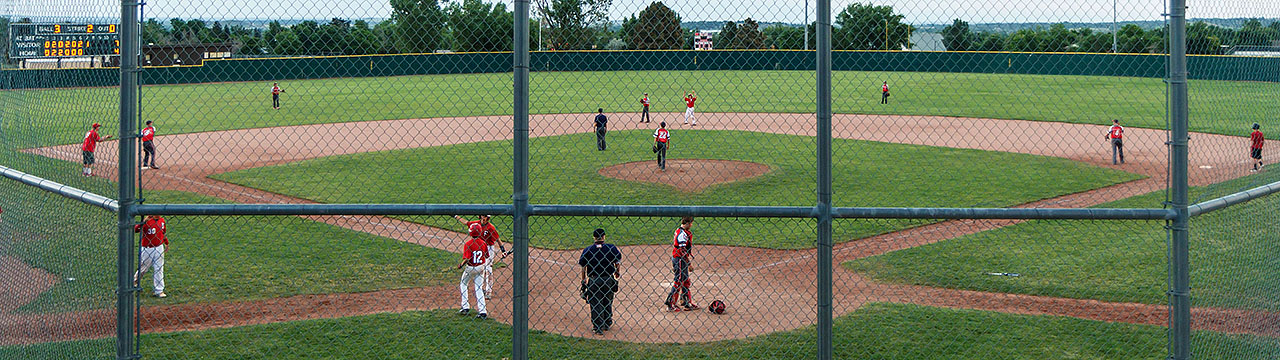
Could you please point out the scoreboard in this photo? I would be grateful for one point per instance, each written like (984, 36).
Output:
(63, 40)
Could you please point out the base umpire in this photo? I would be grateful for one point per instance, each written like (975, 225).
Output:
(600, 270)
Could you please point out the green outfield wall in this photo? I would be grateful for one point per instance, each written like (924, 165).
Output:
(281, 69)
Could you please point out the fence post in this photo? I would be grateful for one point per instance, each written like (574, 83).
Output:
(1179, 291)
(520, 186)
(824, 179)
(124, 216)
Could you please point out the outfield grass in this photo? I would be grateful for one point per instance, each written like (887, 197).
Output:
(1232, 257)
(212, 258)
(878, 330)
(889, 175)
(1138, 102)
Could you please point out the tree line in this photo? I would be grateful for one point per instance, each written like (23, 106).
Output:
(1202, 38)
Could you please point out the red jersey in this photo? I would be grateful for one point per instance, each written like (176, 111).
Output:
(90, 141)
(688, 100)
(275, 90)
(490, 235)
(885, 88)
(148, 133)
(1116, 132)
(1256, 139)
(645, 101)
(152, 232)
(681, 243)
(662, 135)
(476, 252)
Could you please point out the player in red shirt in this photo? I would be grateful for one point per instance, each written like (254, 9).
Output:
(90, 144)
(1255, 147)
(644, 101)
(681, 253)
(884, 93)
(689, 99)
(1116, 135)
(154, 245)
(660, 138)
(491, 238)
(475, 253)
(275, 95)
(148, 149)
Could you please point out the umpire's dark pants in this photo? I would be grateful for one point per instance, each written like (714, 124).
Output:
(662, 155)
(600, 292)
(148, 154)
(1117, 148)
(600, 138)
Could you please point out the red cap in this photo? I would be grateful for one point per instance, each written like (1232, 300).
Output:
(95, 125)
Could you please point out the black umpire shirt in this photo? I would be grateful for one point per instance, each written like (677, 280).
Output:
(601, 121)
(599, 259)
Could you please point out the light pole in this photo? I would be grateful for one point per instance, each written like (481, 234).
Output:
(886, 34)
(805, 26)
(1114, 29)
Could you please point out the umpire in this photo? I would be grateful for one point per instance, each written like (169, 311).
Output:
(600, 270)
(602, 126)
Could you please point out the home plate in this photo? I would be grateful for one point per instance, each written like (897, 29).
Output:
(1205, 167)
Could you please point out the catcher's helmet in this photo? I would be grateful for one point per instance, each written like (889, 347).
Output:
(717, 307)
(475, 231)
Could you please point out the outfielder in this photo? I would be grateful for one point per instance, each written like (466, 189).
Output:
(681, 253)
(1116, 135)
(275, 95)
(491, 238)
(689, 99)
(474, 255)
(154, 245)
(884, 93)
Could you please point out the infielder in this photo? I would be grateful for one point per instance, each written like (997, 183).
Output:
(148, 149)
(689, 99)
(491, 238)
(474, 255)
(275, 95)
(682, 252)
(90, 144)
(1255, 147)
(154, 245)
(1116, 135)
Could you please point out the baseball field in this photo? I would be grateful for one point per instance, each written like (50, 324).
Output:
(329, 287)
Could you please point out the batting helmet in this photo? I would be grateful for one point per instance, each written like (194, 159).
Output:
(717, 307)
(475, 230)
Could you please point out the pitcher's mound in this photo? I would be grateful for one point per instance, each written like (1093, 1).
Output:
(690, 175)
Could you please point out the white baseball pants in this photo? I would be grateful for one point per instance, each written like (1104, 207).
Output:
(688, 116)
(152, 257)
(475, 276)
(488, 270)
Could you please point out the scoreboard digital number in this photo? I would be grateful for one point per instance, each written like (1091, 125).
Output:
(63, 40)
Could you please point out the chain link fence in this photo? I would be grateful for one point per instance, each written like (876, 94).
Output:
(992, 180)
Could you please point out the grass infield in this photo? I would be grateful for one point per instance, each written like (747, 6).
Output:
(888, 175)
(212, 258)
(1138, 102)
(1232, 251)
(878, 330)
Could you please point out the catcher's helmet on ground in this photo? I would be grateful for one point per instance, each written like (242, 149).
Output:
(717, 307)
(475, 231)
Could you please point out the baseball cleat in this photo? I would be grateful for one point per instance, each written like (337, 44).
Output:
(691, 307)
(161, 295)
(464, 311)
(482, 316)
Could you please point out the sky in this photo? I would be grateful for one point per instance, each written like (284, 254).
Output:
(916, 11)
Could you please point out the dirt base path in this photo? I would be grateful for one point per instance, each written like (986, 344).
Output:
(768, 290)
